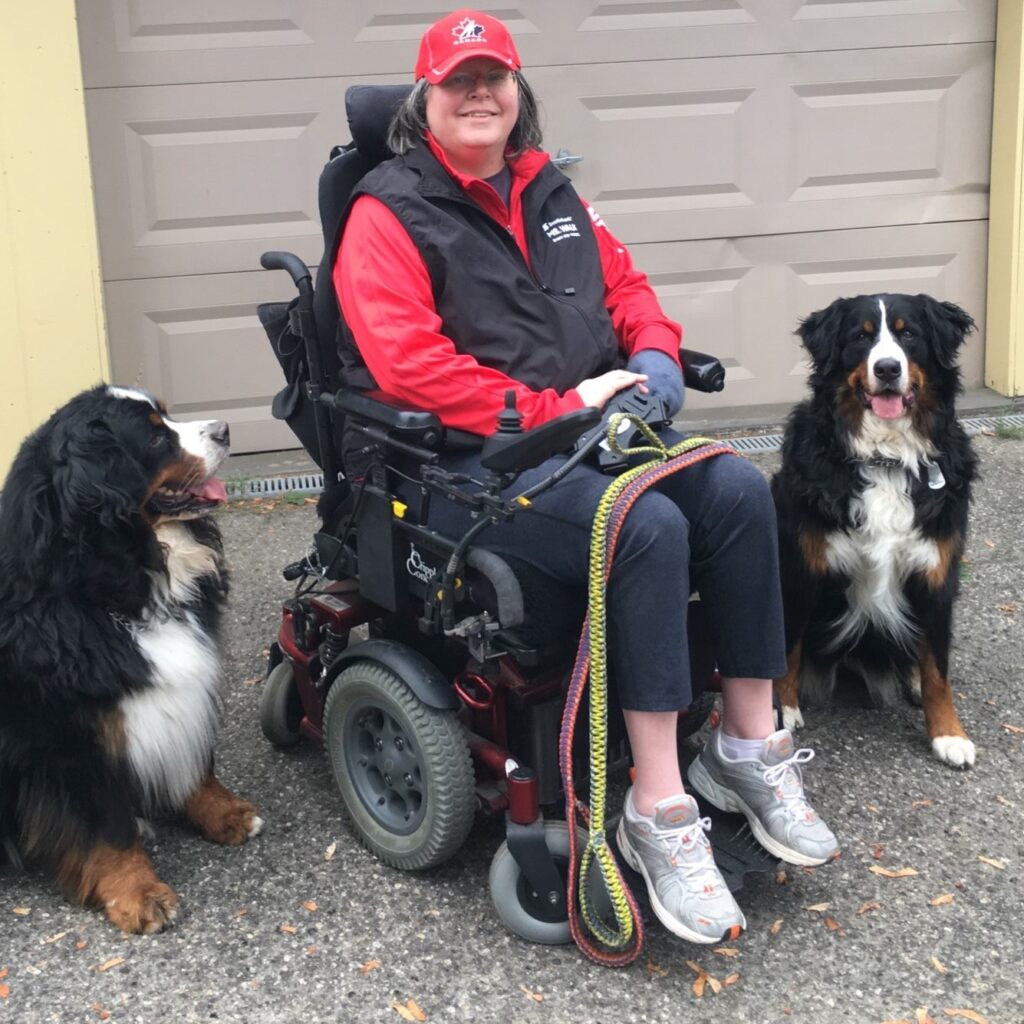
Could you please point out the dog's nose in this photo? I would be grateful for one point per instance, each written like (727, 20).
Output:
(219, 433)
(888, 371)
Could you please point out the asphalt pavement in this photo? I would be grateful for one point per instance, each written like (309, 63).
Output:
(303, 925)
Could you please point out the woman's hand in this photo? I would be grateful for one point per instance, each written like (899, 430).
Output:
(595, 391)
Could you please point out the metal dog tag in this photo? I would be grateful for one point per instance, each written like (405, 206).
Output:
(936, 481)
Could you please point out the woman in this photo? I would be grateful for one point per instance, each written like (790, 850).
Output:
(469, 267)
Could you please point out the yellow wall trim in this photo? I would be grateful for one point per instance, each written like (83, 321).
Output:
(51, 291)
(1004, 350)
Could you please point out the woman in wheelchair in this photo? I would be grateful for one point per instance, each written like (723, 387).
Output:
(469, 267)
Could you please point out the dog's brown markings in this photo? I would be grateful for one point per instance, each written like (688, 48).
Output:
(218, 814)
(156, 419)
(849, 404)
(949, 550)
(124, 883)
(869, 326)
(940, 717)
(899, 324)
(788, 687)
(814, 550)
(112, 736)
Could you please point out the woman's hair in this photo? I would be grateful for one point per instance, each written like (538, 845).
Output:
(409, 124)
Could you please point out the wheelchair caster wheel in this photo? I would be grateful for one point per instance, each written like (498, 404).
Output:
(280, 707)
(518, 906)
(404, 769)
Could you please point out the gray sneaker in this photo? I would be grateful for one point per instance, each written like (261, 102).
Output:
(672, 853)
(770, 792)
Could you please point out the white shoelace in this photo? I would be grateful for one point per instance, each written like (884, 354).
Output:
(777, 773)
(693, 832)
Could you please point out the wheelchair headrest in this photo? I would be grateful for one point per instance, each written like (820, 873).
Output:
(370, 109)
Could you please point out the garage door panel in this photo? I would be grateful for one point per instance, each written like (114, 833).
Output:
(775, 144)
(741, 299)
(149, 42)
(192, 179)
(197, 343)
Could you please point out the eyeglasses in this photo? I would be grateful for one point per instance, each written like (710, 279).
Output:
(462, 81)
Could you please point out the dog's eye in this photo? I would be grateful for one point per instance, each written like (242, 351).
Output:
(157, 440)
(906, 333)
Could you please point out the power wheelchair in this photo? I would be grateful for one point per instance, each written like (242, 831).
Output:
(433, 670)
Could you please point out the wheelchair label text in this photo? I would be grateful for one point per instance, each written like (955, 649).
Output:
(416, 567)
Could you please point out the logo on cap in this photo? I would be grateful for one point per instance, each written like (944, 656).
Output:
(468, 31)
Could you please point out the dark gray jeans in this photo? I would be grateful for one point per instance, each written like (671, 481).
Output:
(708, 528)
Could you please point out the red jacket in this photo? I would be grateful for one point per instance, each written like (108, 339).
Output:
(384, 289)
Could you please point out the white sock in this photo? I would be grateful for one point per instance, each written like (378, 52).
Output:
(736, 749)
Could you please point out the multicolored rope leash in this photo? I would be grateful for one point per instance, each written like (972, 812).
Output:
(619, 946)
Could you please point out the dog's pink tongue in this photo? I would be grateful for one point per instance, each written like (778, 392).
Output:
(212, 490)
(887, 407)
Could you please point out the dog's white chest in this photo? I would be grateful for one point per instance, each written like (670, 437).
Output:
(171, 725)
(877, 555)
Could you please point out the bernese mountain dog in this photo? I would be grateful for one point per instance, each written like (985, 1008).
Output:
(112, 583)
(872, 499)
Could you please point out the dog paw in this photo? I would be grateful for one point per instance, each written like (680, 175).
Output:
(955, 750)
(792, 718)
(149, 910)
(236, 822)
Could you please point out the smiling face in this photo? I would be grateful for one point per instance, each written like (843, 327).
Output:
(471, 114)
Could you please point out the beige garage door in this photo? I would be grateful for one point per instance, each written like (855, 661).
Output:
(760, 157)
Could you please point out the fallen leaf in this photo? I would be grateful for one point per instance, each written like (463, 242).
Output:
(250, 682)
(939, 965)
(241, 913)
(725, 951)
(311, 951)
(104, 1015)
(703, 978)
(537, 997)
(310, 905)
(922, 1017)
(716, 985)
(1008, 609)
(329, 852)
(288, 929)
(921, 803)
(989, 543)
(409, 1010)
(50, 939)
(23, 911)
(1002, 800)
(888, 873)
(941, 901)
(370, 965)
(110, 964)
(833, 925)
(992, 862)
(902, 1020)
(817, 908)
(781, 878)
(876, 851)
(698, 986)
(873, 808)
(265, 653)
(81, 943)
(967, 1015)
(656, 969)
(5, 990)
(865, 907)
(1016, 729)
(730, 980)
(776, 927)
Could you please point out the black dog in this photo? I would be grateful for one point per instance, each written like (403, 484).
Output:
(872, 499)
(112, 582)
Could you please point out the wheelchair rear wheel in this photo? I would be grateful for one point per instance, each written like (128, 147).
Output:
(404, 769)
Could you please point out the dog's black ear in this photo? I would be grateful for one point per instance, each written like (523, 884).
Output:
(96, 483)
(949, 326)
(820, 334)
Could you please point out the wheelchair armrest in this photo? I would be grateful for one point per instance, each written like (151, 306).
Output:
(398, 418)
(512, 453)
(702, 372)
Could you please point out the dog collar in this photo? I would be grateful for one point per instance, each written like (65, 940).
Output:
(936, 481)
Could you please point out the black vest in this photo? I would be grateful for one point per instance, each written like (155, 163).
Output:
(546, 326)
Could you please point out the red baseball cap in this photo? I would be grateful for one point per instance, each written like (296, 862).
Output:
(460, 36)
